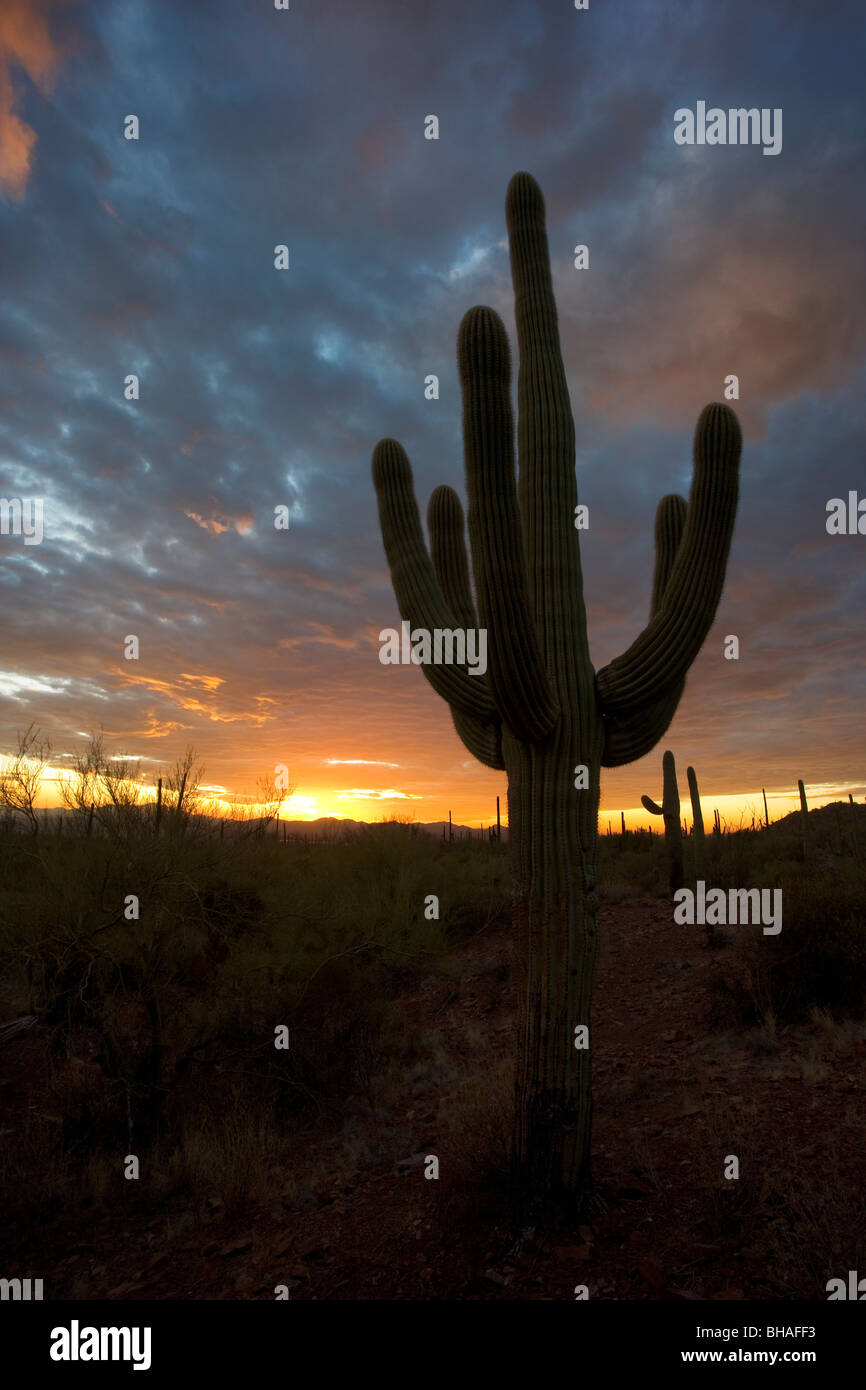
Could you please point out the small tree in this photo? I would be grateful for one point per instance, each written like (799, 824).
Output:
(21, 779)
(181, 793)
(262, 809)
(105, 787)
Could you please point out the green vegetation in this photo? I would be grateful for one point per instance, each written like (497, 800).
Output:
(155, 1035)
(233, 938)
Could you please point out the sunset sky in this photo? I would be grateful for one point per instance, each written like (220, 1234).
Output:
(262, 387)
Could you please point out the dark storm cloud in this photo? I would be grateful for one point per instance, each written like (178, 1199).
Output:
(261, 388)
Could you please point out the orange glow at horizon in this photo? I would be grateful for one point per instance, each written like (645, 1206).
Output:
(372, 805)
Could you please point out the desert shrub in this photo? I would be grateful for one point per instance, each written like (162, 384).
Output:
(630, 869)
(476, 1125)
(171, 1014)
(818, 960)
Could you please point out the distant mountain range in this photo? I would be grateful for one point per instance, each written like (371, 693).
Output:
(323, 828)
(332, 828)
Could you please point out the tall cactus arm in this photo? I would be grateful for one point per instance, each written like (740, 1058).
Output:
(448, 550)
(626, 740)
(652, 806)
(518, 679)
(631, 737)
(663, 653)
(546, 444)
(484, 741)
(669, 526)
(419, 597)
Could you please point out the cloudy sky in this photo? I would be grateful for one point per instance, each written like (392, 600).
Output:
(262, 387)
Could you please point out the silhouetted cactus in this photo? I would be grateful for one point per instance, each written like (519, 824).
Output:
(804, 821)
(855, 840)
(670, 809)
(697, 822)
(541, 711)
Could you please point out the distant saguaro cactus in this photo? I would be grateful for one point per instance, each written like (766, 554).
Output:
(804, 821)
(541, 712)
(697, 822)
(670, 809)
(855, 841)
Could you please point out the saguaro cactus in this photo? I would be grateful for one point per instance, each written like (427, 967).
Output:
(541, 711)
(855, 841)
(670, 809)
(804, 821)
(697, 822)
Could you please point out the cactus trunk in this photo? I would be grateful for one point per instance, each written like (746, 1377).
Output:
(553, 834)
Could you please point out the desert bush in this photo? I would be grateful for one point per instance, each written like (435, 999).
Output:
(180, 1003)
(635, 868)
(817, 961)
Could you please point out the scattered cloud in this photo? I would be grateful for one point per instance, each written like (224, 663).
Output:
(263, 388)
